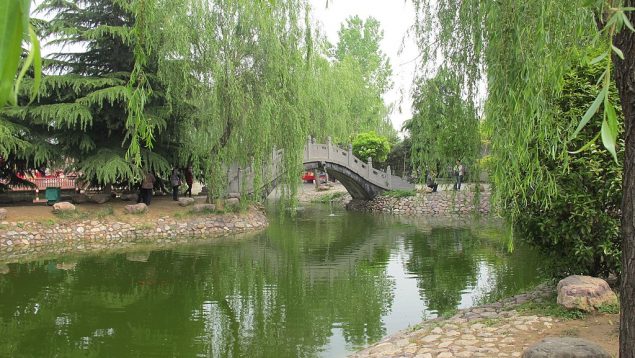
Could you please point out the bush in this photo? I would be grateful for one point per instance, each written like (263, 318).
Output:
(371, 145)
(399, 193)
(579, 229)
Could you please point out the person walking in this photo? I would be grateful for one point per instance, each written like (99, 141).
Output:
(459, 171)
(189, 180)
(147, 184)
(175, 180)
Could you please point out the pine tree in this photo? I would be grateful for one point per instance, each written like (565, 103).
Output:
(80, 117)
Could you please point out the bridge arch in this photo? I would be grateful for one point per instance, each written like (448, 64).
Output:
(360, 179)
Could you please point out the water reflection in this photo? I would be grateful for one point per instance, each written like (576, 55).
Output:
(318, 285)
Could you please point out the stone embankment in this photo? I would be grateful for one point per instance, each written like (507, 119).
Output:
(439, 203)
(492, 330)
(27, 239)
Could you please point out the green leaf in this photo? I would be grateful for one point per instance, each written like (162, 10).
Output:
(37, 63)
(591, 111)
(599, 58)
(32, 58)
(618, 52)
(13, 21)
(609, 128)
(587, 145)
(627, 22)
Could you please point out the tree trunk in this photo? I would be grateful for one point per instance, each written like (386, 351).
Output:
(625, 79)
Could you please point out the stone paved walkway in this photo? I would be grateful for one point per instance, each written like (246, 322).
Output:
(487, 331)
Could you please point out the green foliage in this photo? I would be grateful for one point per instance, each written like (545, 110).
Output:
(444, 126)
(399, 158)
(584, 215)
(550, 308)
(327, 198)
(399, 193)
(370, 145)
(360, 40)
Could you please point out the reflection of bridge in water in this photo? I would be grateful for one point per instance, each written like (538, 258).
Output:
(358, 177)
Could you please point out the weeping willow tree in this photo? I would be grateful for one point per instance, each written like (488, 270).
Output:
(253, 78)
(444, 126)
(525, 49)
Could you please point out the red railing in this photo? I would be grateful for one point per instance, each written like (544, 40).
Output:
(43, 183)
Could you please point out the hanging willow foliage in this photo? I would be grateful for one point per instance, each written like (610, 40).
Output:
(524, 49)
(250, 78)
(444, 126)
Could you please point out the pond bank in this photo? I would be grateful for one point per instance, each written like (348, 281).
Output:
(22, 239)
(501, 329)
(438, 203)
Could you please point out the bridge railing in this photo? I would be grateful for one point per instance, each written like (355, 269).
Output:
(332, 153)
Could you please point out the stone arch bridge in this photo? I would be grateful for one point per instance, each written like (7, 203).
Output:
(360, 179)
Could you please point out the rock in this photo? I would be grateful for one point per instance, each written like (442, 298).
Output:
(232, 202)
(138, 256)
(585, 293)
(129, 197)
(199, 208)
(100, 198)
(65, 265)
(186, 201)
(3, 214)
(566, 347)
(233, 195)
(136, 208)
(63, 206)
(79, 199)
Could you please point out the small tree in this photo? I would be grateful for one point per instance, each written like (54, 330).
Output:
(371, 145)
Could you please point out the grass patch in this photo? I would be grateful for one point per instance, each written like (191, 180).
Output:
(72, 215)
(448, 314)
(550, 308)
(400, 193)
(609, 308)
(326, 198)
(102, 213)
(491, 322)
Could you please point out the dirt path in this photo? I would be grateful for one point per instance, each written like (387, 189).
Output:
(161, 206)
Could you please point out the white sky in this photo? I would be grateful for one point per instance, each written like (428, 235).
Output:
(395, 16)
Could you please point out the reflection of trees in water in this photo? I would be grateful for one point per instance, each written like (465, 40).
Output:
(255, 298)
(446, 262)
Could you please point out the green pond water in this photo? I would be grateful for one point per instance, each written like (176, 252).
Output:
(321, 285)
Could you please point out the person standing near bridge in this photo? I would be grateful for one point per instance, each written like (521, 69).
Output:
(459, 171)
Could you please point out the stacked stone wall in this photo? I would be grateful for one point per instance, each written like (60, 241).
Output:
(439, 203)
(31, 239)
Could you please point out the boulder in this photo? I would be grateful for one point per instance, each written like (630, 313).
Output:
(63, 206)
(233, 195)
(135, 209)
(100, 198)
(3, 213)
(186, 201)
(66, 265)
(565, 347)
(585, 293)
(130, 197)
(199, 208)
(232, 202)
(79, 199)
(138, 256)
